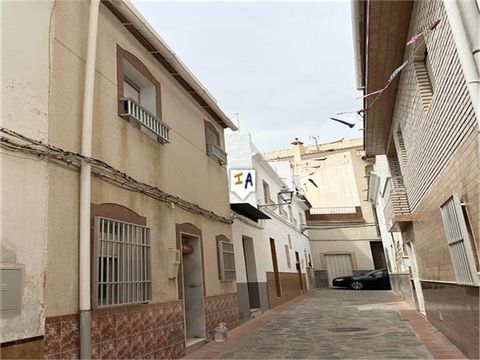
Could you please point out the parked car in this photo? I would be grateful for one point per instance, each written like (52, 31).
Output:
(376, 279)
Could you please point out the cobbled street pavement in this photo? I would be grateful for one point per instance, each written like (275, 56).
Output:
(334, 324)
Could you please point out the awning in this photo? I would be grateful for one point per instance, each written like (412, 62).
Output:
(249, 211)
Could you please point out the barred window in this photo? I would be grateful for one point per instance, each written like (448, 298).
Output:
(459, 241)
(122, 264)
(227, 261)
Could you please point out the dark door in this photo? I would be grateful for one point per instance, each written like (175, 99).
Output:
(275, 267)
(299, 270)
(378, 256)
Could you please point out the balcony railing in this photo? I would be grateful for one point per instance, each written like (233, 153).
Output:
(217, 152)
(333, 210)
(336, 214)
(397, 209)
(141, 117)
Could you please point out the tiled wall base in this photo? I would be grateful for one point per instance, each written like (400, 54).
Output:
(149, 331)
(454, 310)
(289, 284)
(321, 278)
(221, 308)
(401, 285)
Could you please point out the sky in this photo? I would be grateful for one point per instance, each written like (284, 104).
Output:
(284, 67)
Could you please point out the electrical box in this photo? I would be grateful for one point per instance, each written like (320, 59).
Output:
(173, 262)
(11, 279)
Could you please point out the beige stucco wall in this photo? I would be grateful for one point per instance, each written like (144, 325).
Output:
(341, 180)
(25, 82)
(359, 250)
(181, 168)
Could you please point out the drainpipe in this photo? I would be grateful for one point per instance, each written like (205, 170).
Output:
(85, 184)
(465, 51)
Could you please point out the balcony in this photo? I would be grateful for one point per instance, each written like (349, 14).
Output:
(397, 210)
(217, 152)
(336, 214)
(141, 117)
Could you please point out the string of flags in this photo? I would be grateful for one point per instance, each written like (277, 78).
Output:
(392, 77)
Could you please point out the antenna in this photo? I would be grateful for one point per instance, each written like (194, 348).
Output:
(315, 138)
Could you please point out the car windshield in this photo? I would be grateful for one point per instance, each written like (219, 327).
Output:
(372, 272)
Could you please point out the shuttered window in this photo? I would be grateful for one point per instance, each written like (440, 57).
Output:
(227, 261)
(122, 264)
(459, 241)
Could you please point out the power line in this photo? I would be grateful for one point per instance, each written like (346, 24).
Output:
(18, 142)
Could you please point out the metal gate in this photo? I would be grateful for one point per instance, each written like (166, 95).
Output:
(338, 265)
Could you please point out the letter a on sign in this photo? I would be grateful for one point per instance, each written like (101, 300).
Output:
(242, 182)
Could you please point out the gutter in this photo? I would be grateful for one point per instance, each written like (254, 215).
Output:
(85, 184)
(358, 32)
(137, 24)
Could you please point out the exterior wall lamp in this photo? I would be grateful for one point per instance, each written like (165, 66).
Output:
(285, 194)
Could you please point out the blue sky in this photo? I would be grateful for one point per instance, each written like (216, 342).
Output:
(285, 67)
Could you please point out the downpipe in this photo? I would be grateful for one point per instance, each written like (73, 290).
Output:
(465, 52)
(85, 184)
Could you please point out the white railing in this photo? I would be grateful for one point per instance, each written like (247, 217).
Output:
(137, 114)
(333, 210)
(396, 201)
(217, 152)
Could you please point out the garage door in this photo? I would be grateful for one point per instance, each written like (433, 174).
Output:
(338, 265)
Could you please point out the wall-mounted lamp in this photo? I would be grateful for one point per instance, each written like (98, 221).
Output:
(285, 194)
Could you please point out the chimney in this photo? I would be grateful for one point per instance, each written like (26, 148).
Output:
(298, 150)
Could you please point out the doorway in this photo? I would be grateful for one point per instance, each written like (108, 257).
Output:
(298, 265)
(251, 274)
(193, 300)
(378, 255)
(275, 268)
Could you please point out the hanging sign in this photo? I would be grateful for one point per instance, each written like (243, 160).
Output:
(242, 182)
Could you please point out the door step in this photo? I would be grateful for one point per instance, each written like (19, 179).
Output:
(193, 344)
(255, 313)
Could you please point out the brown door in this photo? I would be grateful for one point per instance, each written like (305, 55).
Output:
(299, 270)
(275, 267)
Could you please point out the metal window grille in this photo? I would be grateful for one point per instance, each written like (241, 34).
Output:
(122, 264)
(459, 241)
(227, 261)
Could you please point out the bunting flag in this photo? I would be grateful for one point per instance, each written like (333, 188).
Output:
(432, 27)
(396, 72)
(414, 38)
(390, 79)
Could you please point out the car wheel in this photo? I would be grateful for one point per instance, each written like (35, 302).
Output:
(356, 285)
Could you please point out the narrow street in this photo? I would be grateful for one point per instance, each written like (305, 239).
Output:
(338, 324)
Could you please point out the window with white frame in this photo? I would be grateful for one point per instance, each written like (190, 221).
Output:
(212, 140)
(122, 264)
(139, 88)
(226, 257)
(139, 97)
(459, 241)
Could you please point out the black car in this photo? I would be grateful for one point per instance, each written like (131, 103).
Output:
(376, 279)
